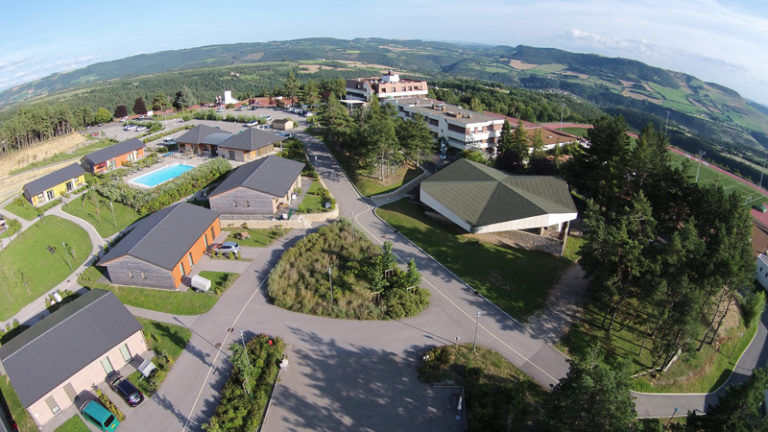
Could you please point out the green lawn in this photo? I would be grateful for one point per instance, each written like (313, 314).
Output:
(12, 226)
(174, 302)
(105, 222)
(20, 415)
(516, 280)
(370, 186)
(313, 200)
(76, 154)
(220, 281)
(572, 247)
(29, 269)
(709, 175)
(582, 132)
(703, 372)
(257, 237)
(22, 208)
(167, 341)
(74, 424)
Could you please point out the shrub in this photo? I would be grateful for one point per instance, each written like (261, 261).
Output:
(247, 391)
(108, 404)
(365, 280)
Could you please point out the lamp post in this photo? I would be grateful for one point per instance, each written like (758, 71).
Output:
(673, 415)
(474, 341)
(330, 283)
(701, 154)
(66, 254)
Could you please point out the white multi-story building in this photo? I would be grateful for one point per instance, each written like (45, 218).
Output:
(389, 86)
(459, 127)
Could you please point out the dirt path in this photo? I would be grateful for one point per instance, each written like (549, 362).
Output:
(563, 306)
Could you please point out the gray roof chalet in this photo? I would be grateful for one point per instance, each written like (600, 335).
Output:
(481, 195)
(251, 139)
(51, 351)
(272, 175)
(114, 151)
(163, 237)
(216, 138)
(197, 134)
(55, 178)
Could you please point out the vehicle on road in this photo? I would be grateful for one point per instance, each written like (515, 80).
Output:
(125, 389)
(266, 117)
(251, 124)
(229, 247)
(95, 413)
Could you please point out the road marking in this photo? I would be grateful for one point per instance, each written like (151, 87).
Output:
(471, 317)
(219, 351)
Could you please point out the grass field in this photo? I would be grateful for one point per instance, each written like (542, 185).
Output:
(582, 132)
(516, 280)
(174, 302)
(257, 237)
(76, 154)
(74, 424)
(22, 208)
(105, 222)
(12, 226)
(709, 175)
(24, 258)
(220, 281)
(167, 341)
(23, 419)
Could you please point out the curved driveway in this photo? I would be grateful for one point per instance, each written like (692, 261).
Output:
(343, 374)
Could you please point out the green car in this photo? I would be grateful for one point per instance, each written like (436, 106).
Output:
(100, 416)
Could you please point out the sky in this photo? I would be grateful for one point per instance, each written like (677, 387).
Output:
(720, 41)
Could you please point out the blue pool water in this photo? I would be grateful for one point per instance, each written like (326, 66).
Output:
(162, 175)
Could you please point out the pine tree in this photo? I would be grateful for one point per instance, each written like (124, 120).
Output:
(139, 107)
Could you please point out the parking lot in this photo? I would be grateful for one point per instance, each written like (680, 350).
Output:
(115, 130)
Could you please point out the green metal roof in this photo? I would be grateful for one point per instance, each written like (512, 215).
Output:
(481, 195)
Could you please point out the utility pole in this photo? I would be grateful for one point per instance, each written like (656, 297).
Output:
(701, 154)
(474, 341)
(330, 283)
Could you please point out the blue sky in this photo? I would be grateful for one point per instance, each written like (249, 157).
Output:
(720, 41)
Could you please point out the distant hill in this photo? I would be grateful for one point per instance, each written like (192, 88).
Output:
(635, 89)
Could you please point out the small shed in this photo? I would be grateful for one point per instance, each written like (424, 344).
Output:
(283, 124)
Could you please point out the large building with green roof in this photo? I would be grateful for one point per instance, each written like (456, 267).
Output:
(481, 199)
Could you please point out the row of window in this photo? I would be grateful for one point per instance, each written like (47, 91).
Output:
(69, 389)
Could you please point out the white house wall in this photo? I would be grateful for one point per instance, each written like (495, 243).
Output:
(541, 221)
(436, 206)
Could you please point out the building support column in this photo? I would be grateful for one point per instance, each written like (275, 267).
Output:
(565, 236)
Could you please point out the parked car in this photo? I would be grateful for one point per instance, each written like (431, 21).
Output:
(125, 389)
(95, 413)
(266, 117)
(252, 124)
(229, 247)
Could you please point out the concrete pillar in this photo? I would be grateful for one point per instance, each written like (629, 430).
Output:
(565, 236)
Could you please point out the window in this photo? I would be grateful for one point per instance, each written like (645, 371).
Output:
(125, 352)
(130, 274)
(69, 389)
(183, 270)
(107, 365)
(51, 402)
(191, 261)
(143, 276)
(232, 154)
(234, 203)
(247, 203)
(205, 237)
(49, 194)
(213, 236)
(70, 185)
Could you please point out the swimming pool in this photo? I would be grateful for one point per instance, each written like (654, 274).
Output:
(162, 175)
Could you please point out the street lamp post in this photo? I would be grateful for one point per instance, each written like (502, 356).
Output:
(474, 341)
(701, 154)
(330, 283)
(673, 415)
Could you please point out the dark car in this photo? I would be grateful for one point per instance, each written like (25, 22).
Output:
(125, 389)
